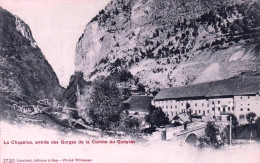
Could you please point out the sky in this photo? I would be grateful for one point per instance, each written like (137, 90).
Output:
(56, 26)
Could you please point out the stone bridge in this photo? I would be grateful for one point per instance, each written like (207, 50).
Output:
(190, 135)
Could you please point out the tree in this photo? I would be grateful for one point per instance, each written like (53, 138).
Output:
(156, 117)
(125, 106)
(130, 125)
(234, 119)
(154, 93)
(126, 93)
(121, 75)
(211, 132)
(234, 123)
(189, 111)
(141, 87)
(250, 117)
(257, 126)
(104, 105)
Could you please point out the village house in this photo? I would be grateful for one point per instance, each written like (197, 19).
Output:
(213, 100)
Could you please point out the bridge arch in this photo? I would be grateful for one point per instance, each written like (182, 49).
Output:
(191, 138)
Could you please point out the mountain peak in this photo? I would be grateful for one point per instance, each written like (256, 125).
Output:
(24, 29)
(167, 43)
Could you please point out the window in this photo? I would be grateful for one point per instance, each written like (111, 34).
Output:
(171, 107)
(233, 108)
(208, 111)
(248, 97)
(228, 108)
(181, 104)
(224, 109)
(208, 105)
(218, 102)
(212, 102)
(241, 97)
(241, 109)
(241, 116)
(199, 111)
(202, 104)
(175, 106)
(196, 111)
(213, 109)
(218, 108)
(248, 109)
(172, 113)
(195, 104)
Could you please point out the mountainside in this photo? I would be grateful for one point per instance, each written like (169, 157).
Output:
(26, 76)
(171, 43)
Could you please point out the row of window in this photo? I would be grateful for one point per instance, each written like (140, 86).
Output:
(241, 109)
(213, 102)
(197, 111)
(182, 105)
(241, 117)
(224, 109)
(169, 107)
(170, 113)
(245, 97)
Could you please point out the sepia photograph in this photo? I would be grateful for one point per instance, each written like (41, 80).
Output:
(123, 81)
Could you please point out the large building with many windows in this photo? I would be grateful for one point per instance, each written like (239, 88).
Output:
(213, 100)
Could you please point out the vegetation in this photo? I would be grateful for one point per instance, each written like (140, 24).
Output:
(141, 87)
(126, 93)
(257, 127)
(131, 125)
(212, 132)
(156, 117)
(250, 117)
(104, 104)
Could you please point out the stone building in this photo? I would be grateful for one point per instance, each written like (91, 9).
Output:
(213, 100)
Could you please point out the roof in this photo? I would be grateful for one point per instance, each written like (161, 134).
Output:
(139, 103)
(198, 90)
(247, 85)
(223, 87)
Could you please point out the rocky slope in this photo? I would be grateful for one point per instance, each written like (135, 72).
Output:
(26, 76)
(168, 43)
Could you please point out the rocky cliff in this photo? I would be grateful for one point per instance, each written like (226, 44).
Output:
(167, 43)
(26, 76)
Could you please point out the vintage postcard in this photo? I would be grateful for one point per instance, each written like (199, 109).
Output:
(123, 81)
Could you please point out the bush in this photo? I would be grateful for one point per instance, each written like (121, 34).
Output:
(141, 87)
(104, 105)
(156, 117)
(257, 127)
(250, 117)
(212, 132)
(130, 125)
